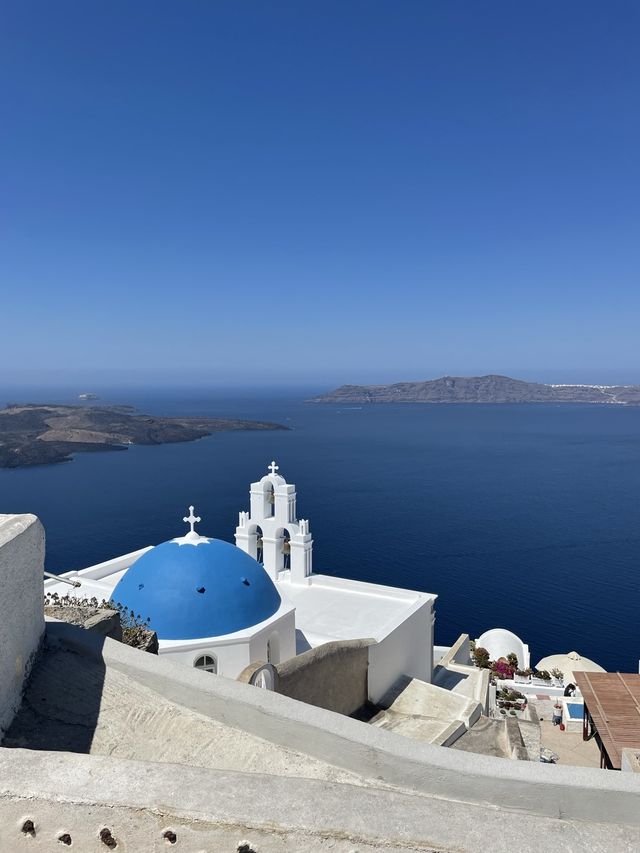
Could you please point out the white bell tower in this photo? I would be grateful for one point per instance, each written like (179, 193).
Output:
(271, 531)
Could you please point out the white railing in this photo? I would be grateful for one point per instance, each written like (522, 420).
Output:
(61, 579)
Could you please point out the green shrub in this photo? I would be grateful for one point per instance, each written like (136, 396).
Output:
(481, 658)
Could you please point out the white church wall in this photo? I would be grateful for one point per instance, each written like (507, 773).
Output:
(284, 630)
(231, 658)
(406, 650)
(21, 608)
(235, 652)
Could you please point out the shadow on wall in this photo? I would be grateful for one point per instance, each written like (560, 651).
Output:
(62, 699)
(302, 644)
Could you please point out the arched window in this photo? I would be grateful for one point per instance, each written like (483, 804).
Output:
(259, 545)
(269, 502)
(207, 663)
(286, 551)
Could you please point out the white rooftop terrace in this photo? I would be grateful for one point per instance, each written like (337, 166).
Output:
(330, 608)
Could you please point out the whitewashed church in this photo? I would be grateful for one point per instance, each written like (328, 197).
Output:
(220, 607)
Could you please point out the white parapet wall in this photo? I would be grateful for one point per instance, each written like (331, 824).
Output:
(94, 803)
(21, 607)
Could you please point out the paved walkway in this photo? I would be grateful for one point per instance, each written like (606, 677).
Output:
(73, 704)
(569, 746)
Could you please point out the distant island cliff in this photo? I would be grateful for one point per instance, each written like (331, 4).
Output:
(481, 389)
(35, 434)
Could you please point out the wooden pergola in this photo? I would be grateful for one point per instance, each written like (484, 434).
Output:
(611, 713)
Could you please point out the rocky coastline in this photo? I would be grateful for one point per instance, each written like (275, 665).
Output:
(35, 434)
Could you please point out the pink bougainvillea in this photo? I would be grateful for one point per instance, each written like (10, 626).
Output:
(503, 670)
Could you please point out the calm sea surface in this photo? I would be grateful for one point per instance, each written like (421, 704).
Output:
(524, 517)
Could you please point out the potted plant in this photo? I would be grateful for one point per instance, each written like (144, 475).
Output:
(558, 677)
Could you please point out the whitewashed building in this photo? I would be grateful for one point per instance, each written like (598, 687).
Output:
(221, 607)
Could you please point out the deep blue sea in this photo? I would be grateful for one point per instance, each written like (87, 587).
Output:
(518, 516)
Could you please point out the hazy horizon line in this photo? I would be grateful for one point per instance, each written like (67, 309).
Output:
(103, 379)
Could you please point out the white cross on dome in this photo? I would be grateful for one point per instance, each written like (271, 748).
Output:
(273, 468)
(192, 519)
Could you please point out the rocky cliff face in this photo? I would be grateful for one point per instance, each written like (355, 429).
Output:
(480, 389)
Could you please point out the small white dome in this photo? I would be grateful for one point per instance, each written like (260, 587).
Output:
(568, 664)
(500, 642)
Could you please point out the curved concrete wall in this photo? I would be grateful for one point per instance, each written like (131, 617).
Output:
(331, 676)
(21, 606)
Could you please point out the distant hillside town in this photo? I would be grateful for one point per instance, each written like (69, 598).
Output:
(481, 389)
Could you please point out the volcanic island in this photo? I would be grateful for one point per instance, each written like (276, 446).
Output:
(35, 434)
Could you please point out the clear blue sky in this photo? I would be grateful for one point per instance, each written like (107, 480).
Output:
(319, 191)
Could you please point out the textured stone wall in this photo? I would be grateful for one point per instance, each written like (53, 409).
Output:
(332, 676)
(21, 606)
(52, 801)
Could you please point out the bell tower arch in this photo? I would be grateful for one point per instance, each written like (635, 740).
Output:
(286, 541)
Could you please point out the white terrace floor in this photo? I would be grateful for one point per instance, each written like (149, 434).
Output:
(331, 608)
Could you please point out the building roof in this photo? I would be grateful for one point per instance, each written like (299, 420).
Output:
(569, 664)
(196, 588)
(333, 608)
(612, 700)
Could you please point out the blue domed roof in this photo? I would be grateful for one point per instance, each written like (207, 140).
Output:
(189, 591)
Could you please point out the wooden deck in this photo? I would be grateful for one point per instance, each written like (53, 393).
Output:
(611, 712)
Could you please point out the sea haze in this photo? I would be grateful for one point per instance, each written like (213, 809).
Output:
(519, 516)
